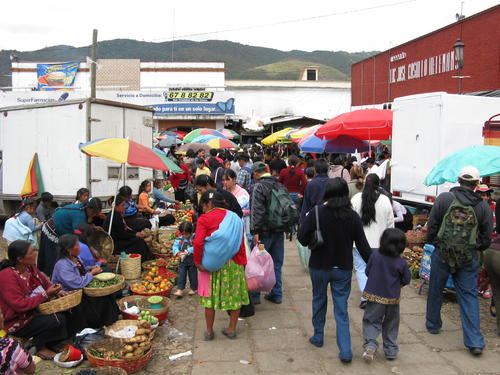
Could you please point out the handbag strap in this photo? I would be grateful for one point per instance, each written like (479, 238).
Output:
(317, 217)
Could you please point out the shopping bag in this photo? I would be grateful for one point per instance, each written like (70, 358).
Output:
(425, 266)
(259, 270)
(304, 254)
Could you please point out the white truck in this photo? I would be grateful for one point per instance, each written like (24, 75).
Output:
(54, 131)
(427, 128)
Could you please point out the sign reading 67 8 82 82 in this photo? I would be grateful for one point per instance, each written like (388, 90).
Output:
(188, 96)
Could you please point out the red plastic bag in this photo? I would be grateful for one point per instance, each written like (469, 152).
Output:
(259, 271)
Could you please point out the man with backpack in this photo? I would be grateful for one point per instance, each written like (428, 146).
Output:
(460, 225)
(273, 213)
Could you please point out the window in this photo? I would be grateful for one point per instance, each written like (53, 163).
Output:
(311, 74)
(115, 172)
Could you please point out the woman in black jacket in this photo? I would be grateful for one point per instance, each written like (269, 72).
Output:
(125, 238)
(331, 263)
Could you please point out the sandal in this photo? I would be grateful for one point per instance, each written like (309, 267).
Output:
(44, 354)
(209, 336)
(493, 311)
(231, 336)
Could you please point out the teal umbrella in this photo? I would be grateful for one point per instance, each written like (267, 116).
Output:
(485, 158)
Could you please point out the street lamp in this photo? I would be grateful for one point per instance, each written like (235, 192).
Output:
(459, 53)
(459, 57)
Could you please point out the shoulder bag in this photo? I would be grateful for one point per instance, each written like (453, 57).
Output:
(317, 237)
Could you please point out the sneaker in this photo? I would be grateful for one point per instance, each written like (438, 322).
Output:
(476, 351)
(178, 293)
(191, 292)
(368, 354)
(272, 299)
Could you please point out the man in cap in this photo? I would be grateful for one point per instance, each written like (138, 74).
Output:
(460, 225)
(244, 177)
(260, 229)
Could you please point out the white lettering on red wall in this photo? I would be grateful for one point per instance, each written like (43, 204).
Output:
(430, 66)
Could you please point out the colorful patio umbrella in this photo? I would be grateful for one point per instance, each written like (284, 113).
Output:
(202, 131)
(341, 144)
(302, 133)
(485, 158)
(275, 137)
(221, 143)
(33, 183)
(204, 138)
(366, 124)
(229, 134)
(169, 163)
(194, 146)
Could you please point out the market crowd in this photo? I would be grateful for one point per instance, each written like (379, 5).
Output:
(341, 210)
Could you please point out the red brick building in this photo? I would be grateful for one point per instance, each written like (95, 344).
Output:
(428, 63)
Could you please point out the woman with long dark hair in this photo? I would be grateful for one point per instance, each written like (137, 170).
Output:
(71, 274)
(376, 214)
(143, 200)
(23, 288)
(125, 238)
(331, 263)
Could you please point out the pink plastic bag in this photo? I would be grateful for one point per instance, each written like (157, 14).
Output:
(259, 271)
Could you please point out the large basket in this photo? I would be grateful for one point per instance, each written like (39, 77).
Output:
(102, 242)
(107, 370)
(153, 263)
(120, 324)
(163, 293)
(131, 267)
(100, 292)
(62, 303)
(130, 365)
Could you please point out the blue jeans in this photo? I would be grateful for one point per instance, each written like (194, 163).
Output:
(465, 280)
(275, 245)
(340, 284)
(187, 268)
(359, 267)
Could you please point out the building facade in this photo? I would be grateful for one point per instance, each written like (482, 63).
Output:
(429, 64)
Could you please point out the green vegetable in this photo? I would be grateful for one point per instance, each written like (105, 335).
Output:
(102, 284)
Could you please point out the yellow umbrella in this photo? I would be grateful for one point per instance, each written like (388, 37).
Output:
(303, 132)
(275, 137)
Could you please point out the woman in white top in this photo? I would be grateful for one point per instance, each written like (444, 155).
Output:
(375, 210)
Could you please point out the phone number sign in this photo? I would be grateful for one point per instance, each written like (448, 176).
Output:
(188, 96)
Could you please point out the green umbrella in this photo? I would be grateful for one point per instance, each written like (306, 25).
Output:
(485, 158)
(169, 163)
(202, 131)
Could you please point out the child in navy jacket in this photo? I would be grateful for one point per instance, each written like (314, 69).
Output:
(183, 248)
(387, 272)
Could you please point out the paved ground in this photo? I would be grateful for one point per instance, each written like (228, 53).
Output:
(275, 340)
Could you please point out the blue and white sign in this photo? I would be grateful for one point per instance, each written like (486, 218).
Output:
(194, 108)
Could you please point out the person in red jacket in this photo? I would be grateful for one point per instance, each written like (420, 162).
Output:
(226, 288)
(24, 287)
(294, 180)
(180, 181)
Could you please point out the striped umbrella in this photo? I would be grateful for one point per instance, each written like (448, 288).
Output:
(33, 183)
(202, 131)
(302, 133)
(169, 163)
(229, 134)
(203, 138)
(221, 143)
(275, 137)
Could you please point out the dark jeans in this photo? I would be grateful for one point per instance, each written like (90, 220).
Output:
(45, 329)
(187, 268)
(465, 280)
(275, 245)
(381, 318)
(340, 283)
(492, 265)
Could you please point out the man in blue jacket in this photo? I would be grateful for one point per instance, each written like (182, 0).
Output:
(315, 189)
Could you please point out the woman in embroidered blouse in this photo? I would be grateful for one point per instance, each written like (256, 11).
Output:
(24, 287)
(69, 271)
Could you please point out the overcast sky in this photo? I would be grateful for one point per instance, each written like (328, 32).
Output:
(354, 25)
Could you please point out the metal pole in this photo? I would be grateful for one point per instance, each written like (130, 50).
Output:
(93, 65)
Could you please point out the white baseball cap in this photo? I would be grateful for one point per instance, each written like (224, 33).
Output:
(469, 173)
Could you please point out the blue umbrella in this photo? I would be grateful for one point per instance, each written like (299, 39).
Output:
(485, 158)
(203, 138)
(341, 144)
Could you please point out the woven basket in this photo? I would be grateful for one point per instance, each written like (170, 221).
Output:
(163, 293)
(131, 267)
(120, 324)
(107, 370)
(103, 243)
(62, 303)
(141, 302)
(100, 292)
(152, 263)
(129, 365)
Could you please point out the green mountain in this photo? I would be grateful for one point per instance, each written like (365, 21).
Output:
(241, 61)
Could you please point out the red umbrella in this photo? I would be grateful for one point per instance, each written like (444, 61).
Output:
(365, 124)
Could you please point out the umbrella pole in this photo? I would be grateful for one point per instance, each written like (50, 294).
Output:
(114, 199)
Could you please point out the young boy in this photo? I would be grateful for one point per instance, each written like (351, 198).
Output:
(183, 248)
(387, 272)
(201, 168)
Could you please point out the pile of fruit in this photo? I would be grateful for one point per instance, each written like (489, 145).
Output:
(131, 348)
(151, 287)
(146, 318)
(183, 214)
(413, 257)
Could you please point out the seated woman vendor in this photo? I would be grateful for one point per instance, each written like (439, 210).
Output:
(23, 288)
(69, 271)
(125, 238)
